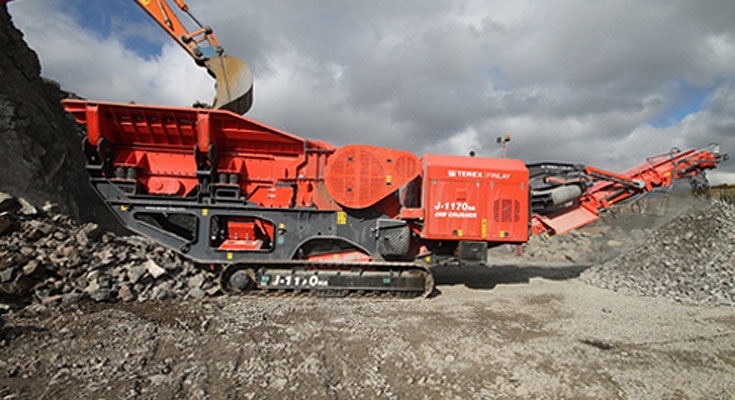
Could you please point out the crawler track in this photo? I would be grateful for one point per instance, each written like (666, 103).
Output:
(327, 279)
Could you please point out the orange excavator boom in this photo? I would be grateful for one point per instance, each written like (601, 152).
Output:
(234, 78)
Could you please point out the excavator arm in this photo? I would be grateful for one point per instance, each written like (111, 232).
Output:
(234, 79)
(565, 196)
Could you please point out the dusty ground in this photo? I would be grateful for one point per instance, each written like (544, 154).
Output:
(506, 331)
(521, 328)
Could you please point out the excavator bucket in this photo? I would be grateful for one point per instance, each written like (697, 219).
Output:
(234, 83)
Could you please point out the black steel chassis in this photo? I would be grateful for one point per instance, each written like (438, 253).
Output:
(277, 268)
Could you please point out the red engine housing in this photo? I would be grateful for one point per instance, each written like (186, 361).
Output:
(468, 198)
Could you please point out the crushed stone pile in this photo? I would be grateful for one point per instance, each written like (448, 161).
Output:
(45, 257)
(594, 244)
(691, 259)
(609, 237)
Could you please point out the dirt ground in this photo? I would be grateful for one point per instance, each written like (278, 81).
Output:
(506, 331)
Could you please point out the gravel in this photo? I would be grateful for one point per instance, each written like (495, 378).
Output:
(690, 259)
(545, 339)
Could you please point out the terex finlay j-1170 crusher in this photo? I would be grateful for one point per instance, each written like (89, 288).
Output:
(286, 214)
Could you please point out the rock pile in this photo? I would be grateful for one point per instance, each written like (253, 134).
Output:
(609, 237)
(593, 244)
(691, 259)
(46, 257)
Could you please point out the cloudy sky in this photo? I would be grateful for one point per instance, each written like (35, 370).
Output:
(605, 83)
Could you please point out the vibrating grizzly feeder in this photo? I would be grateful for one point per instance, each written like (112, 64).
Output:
(286, 214)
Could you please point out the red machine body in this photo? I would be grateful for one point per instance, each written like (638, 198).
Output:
(452, 197)
(286, 213)
(462, 198)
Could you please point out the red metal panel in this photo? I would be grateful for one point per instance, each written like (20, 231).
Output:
(159, 142)
(566, 220)
(360, 176)
(93, 123)
(341, 256)
(473, 198)
(412, 213)
(245, 233)
(509, 202)
(204, 138)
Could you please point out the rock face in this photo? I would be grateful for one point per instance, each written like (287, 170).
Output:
(40, 153)
(690, 259)
(47, 258)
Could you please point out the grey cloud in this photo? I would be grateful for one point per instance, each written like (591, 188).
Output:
(569, 80)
